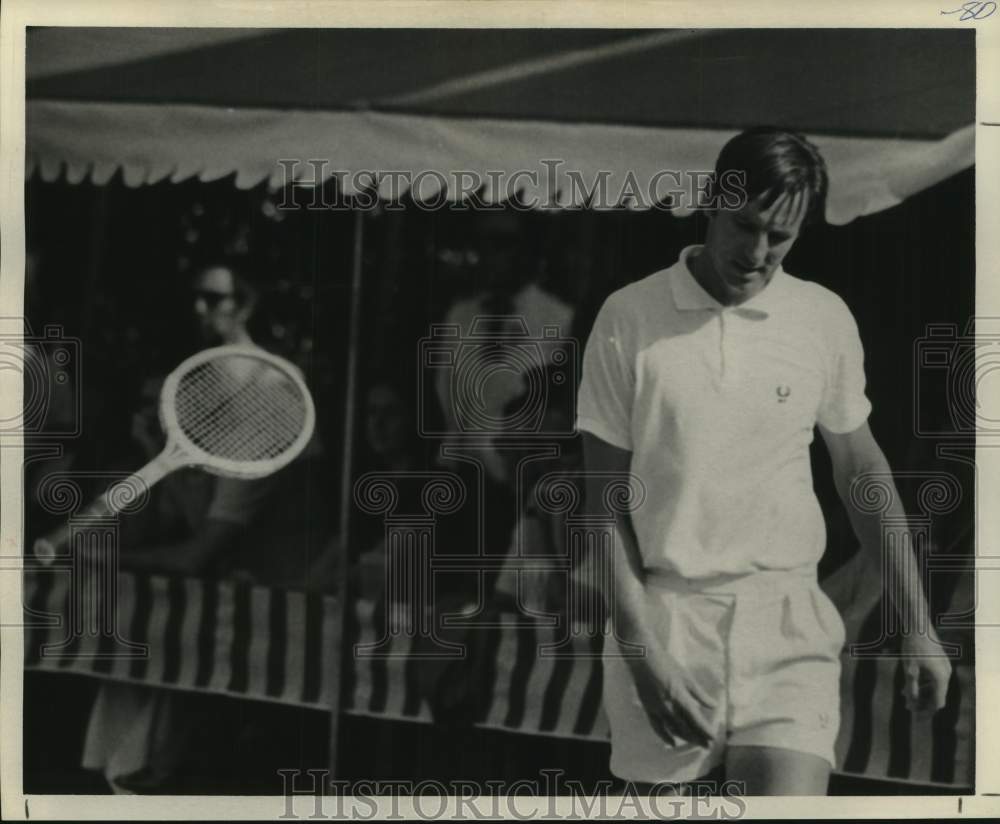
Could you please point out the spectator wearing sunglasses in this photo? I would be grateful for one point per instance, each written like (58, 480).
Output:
(223, 302)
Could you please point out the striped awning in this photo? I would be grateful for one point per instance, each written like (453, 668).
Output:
(891, 109)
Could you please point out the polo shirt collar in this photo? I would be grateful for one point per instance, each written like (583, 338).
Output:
(688, 294)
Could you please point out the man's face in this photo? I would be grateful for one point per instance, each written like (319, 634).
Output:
(217, 310)
(746, 247)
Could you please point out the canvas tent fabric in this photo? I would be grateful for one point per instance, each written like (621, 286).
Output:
(891, 110)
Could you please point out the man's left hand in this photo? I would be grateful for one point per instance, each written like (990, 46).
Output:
(928, 672)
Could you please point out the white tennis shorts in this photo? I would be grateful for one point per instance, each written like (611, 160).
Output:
(765, 647)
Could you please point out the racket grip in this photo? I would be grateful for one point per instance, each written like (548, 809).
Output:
(51, 546)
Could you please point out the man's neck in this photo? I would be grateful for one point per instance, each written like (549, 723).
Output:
(700, 267)
(699, 264)
(238, 338)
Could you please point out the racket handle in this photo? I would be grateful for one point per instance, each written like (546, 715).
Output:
(51, 546)
(117, 498)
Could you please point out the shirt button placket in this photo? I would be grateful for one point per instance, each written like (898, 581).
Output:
(734, 665)
(725, 349)
(720, 375)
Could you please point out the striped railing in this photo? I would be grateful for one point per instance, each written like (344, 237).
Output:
(273, 645)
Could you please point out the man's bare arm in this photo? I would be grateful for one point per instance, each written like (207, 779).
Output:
(188, 557)
(629, 577)
(676, 705)
(856, 454)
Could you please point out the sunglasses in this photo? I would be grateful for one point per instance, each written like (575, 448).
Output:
(212, 299)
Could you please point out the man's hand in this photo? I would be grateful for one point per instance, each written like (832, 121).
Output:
(928, 672)
(678, 709)
(855, 591)
(676, 706)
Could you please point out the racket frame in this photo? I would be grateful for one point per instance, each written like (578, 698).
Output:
(190, 454)
(180, 451)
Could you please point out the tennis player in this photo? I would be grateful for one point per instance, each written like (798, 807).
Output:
(706, 381)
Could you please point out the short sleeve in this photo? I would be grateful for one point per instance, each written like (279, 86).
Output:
(604, 402)
(844, 406)
(237, 501)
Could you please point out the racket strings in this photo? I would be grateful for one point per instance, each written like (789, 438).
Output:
(248, 424)
(270, 417)
(240, 408)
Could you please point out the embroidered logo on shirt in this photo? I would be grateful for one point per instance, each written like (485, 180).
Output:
(783, 392)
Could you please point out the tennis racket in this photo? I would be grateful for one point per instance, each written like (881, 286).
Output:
(235, 411)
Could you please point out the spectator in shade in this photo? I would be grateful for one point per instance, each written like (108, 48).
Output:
(195, 524)
(390, 444)
(506, 298)
(540, 534)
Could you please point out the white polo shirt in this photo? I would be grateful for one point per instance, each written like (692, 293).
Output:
(718, 406)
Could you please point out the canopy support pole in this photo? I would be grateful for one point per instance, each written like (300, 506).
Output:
(338, 652)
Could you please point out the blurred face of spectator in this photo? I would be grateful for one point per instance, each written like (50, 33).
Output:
(499, 241)
(30, 268)
(146, 431)
(220, 314)
(32, 287)
(386, 423)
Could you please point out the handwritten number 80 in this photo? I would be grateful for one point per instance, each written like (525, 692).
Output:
(974, 10)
